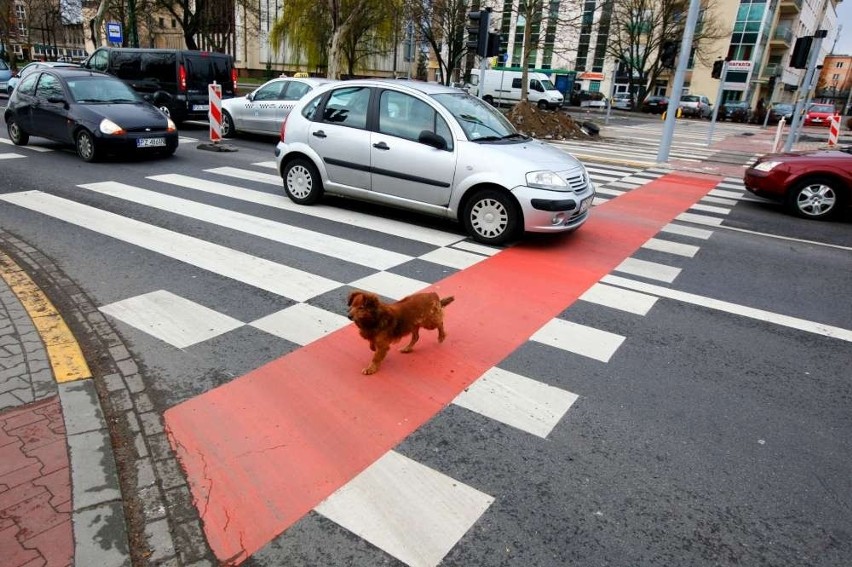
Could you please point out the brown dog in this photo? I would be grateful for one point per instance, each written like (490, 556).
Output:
(386, 323)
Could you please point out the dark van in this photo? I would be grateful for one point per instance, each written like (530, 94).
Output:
(175, 80)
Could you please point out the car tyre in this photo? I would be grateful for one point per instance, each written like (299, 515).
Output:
(491, 217)
(816, 198)
(489, 99)
(542, 104)
(85, 144)
(228, 129)
(16, 133)
(302, 182)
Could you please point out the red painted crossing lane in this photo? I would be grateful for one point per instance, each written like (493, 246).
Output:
(265, 449)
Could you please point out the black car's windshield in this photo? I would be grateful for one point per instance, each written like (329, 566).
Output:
(101, 90)
(479, 120)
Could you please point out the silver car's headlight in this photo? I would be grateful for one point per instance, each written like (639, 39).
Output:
(767, 165)
(110, 128)
(545, 180)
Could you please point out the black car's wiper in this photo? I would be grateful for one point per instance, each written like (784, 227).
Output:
(117, 100)
(91, 100)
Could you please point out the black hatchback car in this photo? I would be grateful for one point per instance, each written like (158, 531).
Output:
(655, 104)
(96, 113)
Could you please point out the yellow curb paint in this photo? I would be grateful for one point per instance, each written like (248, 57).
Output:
(63, 350)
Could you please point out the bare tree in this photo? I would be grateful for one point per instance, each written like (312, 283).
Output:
(442, 23)
(638, 30)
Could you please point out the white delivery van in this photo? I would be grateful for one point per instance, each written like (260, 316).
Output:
(504, 87)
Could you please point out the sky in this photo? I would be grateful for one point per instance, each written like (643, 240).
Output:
(844, 18)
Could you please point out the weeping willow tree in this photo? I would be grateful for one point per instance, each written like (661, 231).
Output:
(331, 31)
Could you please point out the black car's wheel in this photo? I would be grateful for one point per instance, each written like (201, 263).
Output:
(491, 216)
(302, 182)
(16, 133)
(228, 129)
(489, 99)
(816, 198)
(85, 144)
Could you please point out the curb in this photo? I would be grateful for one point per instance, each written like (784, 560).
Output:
(131, 503)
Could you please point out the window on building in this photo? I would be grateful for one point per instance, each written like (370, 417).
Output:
(162, 22)
(839, 64)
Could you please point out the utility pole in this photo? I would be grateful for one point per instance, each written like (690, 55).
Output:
(674, 100)
(806, 88)
(722, 78)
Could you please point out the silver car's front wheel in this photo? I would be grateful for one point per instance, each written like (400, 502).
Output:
(491, 217)
(302, 182)
(814, 199)
(228, 129)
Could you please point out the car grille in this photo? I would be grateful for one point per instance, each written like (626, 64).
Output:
(577, 180)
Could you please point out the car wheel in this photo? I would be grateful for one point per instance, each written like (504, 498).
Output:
(542, 104)
(491, 217)
(815, 198)
(228, 129)
(489, 99)
(302, 182)
(16, 133)
(85, 145)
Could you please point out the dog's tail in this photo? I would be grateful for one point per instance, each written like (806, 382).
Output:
(447, 300)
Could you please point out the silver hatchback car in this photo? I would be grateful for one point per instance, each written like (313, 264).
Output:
(432, 149)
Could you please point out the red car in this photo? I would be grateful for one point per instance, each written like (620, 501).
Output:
(819, 115)
(813, 185)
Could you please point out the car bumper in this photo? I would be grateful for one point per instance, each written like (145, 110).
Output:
(554, 211)
(769, 185)
(129, 144)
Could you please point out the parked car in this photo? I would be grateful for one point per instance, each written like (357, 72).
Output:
(735, 111)
(655, 104)
(5, 75)
(262, 110)
(431, 149)
(96, 113)
(624, 101)
(696, 106)
(588, 99)
(30, 67)
(819, 115)
(174, 80)
(814, 184)
(779, 110)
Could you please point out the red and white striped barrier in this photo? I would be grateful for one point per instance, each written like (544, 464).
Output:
(214, 113)
(833, 130)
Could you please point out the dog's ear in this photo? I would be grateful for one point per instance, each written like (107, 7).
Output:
(352, 296)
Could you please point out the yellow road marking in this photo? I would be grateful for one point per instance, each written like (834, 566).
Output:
(63, 350)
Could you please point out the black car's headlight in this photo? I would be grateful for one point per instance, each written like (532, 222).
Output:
(110, 128)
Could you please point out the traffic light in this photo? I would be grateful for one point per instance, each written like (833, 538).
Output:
(494, 41)
(477, 31)
(770, 84)
(668, 52)
(801, 52)
(717, 69)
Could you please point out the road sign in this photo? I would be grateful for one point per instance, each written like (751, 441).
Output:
(114, 32)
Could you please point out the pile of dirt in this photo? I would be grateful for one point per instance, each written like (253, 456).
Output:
(548, 124)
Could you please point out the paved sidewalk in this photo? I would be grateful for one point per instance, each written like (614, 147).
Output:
(60, 502)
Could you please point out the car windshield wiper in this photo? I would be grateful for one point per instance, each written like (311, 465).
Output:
(516, 135)
(91, 100)
(117, 100)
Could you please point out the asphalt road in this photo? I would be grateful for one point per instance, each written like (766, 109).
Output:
(717, 433)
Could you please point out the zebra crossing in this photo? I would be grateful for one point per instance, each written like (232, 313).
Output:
(420, 520)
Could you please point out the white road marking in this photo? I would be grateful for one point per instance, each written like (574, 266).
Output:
(518, 401)
(661, 245)
(733, 308)
(280, 201)
(389, 285)
(710, 209)
(699, 219)
(719, 201)
(618, 298)
(650, 270)
(11, 156)
(410, 511)
(689, 231)
(301, 323)
(332, 246)
(726, 194)
(458, 259)
(37, 149)
(579, 339)
(171, 318)
(239, 266)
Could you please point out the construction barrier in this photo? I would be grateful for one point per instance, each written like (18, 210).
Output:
(214, 113)
(833, 130)
(777, 141)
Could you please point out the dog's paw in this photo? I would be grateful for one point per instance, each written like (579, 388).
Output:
(372, 369)
(407, 349)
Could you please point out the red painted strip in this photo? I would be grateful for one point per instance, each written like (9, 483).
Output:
(263, 450)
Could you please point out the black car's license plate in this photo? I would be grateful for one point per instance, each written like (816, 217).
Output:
(150, 142)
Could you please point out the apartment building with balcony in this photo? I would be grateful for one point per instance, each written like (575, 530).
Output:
(834, 85)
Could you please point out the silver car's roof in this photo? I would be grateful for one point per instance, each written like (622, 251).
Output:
(423, 87)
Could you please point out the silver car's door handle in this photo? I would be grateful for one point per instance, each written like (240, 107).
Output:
(319, 134)
(381, 146)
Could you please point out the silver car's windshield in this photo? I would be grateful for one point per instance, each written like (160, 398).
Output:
(479, 120)
(99, 90)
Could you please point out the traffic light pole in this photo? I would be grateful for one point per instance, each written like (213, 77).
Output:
(674, 100)
(809, 78)
(722, 79)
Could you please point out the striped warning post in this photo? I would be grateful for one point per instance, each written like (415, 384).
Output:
(214, 114)
(834, 130)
